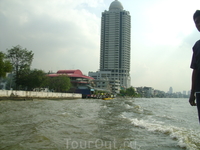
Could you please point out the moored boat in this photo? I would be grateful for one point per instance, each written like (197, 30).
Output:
(107, 98)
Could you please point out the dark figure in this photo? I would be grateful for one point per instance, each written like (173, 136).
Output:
(195, 65)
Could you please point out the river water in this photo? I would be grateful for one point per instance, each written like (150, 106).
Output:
(121, 124)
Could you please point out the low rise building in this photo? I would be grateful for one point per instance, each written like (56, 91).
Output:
(80, 83)
(103, 80)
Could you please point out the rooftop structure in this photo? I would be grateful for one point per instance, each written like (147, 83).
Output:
(115, 5)
(71, 74)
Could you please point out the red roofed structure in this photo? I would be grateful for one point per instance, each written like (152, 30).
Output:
(80, 83)
(74, 73)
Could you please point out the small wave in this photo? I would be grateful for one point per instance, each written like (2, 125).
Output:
(64, 113)
(127, 106)
(134, 107)
(188, 139)
(167, 117)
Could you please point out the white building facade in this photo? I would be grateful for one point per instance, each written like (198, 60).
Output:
(116, 43)
(103, 81)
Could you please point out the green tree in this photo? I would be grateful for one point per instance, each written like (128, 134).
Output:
(59, 83)
(37, 79)
(21, 60)
(5, 65)
(130, 91)
(33, 79)
(122, 92)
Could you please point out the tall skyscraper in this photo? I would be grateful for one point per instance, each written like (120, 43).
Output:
(115, 43)
(170, 90)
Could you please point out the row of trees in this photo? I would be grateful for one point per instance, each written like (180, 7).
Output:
(18, 62)
(129, 92)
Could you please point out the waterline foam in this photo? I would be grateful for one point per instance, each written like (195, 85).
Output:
(188, 139)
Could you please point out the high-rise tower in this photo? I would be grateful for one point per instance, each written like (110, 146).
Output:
(115, 43)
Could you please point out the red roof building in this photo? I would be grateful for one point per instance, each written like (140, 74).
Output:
(80, 83)
(71, 74)
(76, 76)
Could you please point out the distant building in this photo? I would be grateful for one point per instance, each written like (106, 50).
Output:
(188, 93)
(103, 81)
(115, 43)
(184, 92)
(170, 90)
(145, 91)
(149, 91)
(98, 75)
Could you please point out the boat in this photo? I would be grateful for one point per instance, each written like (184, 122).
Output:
(107, 98)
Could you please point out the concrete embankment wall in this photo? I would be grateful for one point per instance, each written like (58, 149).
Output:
(12, 94)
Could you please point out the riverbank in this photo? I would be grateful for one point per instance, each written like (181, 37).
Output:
(30, 95)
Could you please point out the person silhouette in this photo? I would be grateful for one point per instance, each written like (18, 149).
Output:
(194, 99)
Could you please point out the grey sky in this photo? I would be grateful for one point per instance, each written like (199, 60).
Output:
(65, 34)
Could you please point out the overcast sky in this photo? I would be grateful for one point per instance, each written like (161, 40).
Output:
(65, 34)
